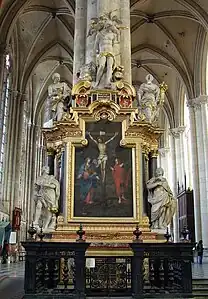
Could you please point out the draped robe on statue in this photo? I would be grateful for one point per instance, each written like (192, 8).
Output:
(163, 204)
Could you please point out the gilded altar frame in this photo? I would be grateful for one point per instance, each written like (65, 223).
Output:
(137, 135)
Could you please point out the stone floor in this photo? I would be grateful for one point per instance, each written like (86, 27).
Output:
(12, 278)
(12, 281)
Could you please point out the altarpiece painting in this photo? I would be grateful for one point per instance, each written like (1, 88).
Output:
(103, 173)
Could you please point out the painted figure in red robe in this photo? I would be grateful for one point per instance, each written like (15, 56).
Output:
(120, 177)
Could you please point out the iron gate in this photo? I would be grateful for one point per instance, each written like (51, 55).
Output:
(110, 276)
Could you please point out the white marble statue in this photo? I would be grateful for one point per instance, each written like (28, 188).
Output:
(148, 97)
(161, 198)
(87, 72)
(57, 93)
(47, 193)
(107, 30)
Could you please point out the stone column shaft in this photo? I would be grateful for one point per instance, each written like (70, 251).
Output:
(195, 171)
(79, 36)
(176, 232)
(204, 119)
(126, 40)
(90, 40)
(201, 127)
(111, 6)
(163, 160)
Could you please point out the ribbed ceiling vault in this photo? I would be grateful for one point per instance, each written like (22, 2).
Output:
(168, 41)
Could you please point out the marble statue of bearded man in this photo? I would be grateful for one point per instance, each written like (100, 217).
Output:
(161, 198)
(47, 193)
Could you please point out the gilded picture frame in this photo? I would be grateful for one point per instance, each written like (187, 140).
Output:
(134, 146)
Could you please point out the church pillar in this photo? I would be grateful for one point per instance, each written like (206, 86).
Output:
(90, 40)
(180, 165)
(200, 110)
(175, 153)
(163, 159)
(106, 7)
(182, 159)
(126, 40)
(79, 36)
(204, 121)
(195, 167)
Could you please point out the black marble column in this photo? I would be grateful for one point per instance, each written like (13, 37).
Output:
(50, 159)
(145, 177)
(152, 163)
(62, 172)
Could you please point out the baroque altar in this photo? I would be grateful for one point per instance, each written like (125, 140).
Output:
(105, 137)
(102, 144)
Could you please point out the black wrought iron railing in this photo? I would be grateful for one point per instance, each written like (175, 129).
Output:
(162, 270)
(54, 270)
(60, 270)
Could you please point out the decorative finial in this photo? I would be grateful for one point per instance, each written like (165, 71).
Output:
(167, 235)
(41, 234)
(32, 231)
(137, 234)
(80, 233)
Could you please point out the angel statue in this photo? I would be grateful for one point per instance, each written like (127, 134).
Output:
(148, 97)
(107, 29)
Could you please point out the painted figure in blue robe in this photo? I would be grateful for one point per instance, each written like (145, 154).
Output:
(88, 181)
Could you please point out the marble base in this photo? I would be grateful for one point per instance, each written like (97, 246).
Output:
(160, 231)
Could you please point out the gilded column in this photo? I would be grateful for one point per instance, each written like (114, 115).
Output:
(79, 36)
(195, 169)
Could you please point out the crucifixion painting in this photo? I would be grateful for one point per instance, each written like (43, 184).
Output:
(103, 156)
(103, 171)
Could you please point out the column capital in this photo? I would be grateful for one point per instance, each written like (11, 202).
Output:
(175, 133)
(163, 151)
(197, 102)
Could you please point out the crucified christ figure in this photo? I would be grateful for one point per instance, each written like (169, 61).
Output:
(103, 157)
